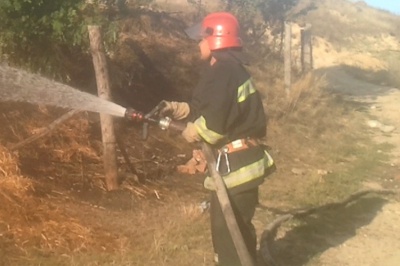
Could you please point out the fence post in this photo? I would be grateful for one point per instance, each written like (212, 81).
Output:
(288, 57)
(306, 49)
(107, 125)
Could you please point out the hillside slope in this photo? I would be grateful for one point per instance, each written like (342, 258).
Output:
(350, 33)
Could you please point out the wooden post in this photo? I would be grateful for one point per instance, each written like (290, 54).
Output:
(107, 125)
(226, 207)
(306, 49)
(288, 57)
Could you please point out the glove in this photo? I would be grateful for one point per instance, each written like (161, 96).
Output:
(190, 133)
(178, 110)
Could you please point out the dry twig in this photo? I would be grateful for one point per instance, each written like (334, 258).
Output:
(45, 130)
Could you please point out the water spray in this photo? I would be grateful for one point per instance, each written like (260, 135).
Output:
(17, 85)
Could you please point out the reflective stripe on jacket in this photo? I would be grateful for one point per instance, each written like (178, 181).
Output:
(246, 174)
(243, 92)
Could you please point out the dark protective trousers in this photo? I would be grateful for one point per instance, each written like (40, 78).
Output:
(243, 205)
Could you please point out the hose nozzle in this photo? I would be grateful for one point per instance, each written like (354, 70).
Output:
(133, 115)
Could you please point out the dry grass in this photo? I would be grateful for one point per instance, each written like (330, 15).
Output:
(306, 97)
(309, 108)
(36, 224)
(37, 221)
(30, 221)
(351, 34)
(8, 163)
(394, 70)
(311, 132)
(345, 24)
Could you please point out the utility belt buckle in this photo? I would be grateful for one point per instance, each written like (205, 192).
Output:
(223, 153)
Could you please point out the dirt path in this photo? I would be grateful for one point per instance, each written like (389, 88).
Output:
(383, 103)
(376, 243)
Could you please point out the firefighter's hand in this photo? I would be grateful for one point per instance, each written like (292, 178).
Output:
(178, 110)
(190, 133)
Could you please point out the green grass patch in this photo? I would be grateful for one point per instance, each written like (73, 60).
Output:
(367, 164)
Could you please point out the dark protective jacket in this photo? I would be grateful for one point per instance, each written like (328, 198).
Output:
(225, 107)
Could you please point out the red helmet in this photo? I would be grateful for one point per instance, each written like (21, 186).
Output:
(221, 30)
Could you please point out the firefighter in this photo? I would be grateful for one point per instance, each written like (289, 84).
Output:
(226, 111)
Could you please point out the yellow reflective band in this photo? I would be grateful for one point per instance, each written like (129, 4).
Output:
(268, 160)
(243, 175)
(245, 90)
(208, 135)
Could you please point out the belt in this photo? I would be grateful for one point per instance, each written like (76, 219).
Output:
(231, 147)
(239, 145)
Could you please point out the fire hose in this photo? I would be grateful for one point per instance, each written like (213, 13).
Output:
(167, 123)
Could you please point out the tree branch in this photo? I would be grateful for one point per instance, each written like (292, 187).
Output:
(45, 131)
